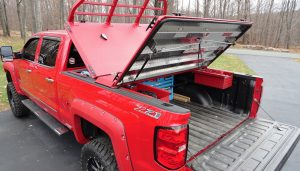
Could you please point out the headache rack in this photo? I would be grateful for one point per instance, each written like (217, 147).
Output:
(113, 8)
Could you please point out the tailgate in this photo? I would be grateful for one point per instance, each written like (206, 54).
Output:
(256, 145)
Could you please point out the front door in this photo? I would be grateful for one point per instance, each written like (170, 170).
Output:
(25, 65)
(45, 76)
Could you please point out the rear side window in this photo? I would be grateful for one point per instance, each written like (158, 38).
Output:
(74, 58)
(48, 52)
(30, 49)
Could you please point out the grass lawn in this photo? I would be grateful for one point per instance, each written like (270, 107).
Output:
(225, 62)
(3, 96)
(231, 63)
(17, 43)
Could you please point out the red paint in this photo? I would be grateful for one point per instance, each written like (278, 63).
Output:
(257, 94)
(113, 6)
(214, 78)
(159, 93)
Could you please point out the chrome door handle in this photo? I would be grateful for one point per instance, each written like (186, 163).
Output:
(49, 80)
(28, 70)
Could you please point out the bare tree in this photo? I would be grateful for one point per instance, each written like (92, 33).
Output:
(238, 9)
(206, 7)
(62, 13)
(22, 17)
(36, 21)
(189, 7)
(197, 8)
(224, 8)
(291, 6)
(267, 22)
(246, 16)
(214, 9)
(280, 24)
(4, 20)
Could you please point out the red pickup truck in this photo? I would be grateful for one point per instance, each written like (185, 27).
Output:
(141, 96)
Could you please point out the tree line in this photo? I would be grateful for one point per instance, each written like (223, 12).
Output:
(276, 24)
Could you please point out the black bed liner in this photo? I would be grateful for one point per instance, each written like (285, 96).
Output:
(208, 124)
(257, 144)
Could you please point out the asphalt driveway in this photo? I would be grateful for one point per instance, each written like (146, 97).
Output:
(27, 144)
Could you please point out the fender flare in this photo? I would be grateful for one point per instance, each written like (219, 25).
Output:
(9, 68)
(105, 121)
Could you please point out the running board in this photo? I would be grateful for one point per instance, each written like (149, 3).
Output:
(49, 120)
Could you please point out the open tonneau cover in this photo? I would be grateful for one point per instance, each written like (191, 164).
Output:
(117, 53)
(179, 44)
(257, 144)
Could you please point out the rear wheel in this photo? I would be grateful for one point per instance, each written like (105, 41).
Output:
(15, 101)
(98, 155)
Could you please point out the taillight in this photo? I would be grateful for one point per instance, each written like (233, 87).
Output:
(171, 146)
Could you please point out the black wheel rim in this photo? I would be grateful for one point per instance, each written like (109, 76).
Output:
(94, 165)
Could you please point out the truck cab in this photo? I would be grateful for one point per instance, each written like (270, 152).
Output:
(142, 96)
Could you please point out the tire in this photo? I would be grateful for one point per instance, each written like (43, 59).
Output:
(97, 155)
(15, 101)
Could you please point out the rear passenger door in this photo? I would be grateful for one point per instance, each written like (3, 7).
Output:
(45, 76)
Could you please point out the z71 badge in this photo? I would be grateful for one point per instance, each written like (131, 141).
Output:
(149, 112)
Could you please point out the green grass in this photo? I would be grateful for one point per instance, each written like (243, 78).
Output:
(17, 43)
(13, 41)
(3, 96)
(231, 63)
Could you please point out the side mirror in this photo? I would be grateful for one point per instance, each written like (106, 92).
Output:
(6, 53)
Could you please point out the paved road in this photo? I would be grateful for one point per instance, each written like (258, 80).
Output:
(27, 144)
(281, 97)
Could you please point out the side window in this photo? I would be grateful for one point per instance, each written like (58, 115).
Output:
(48, 52)
(30, 49)
(74, 58)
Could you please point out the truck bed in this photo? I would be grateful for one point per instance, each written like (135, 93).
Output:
(208, 124)
(252, 144)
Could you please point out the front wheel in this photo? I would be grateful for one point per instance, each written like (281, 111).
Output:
(98, 155)
(15, 101)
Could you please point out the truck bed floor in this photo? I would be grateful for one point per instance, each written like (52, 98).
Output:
(207, 124)
(256, 145)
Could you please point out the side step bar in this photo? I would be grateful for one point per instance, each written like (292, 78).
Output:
(49, 120)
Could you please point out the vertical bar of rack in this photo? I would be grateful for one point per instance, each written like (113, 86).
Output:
(111, 11)
(138, 18)
(73, 10)
(165, 7)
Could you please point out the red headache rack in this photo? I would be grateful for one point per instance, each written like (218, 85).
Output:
(111, 7)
